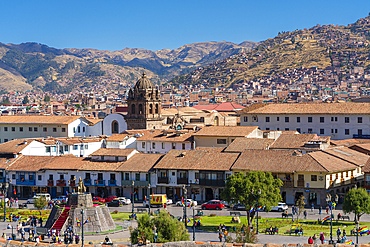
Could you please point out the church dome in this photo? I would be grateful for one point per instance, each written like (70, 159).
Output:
(143, 83)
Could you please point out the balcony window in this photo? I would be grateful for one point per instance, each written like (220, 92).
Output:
(346, 119)
(310, 119)
(346, 131)
(359, 120)
(47, 149)
(173, 145)
(287, 119)
(30, 129)
(153, 145)
(137, 176)
(35, 129)
(267, 119)
(359, 132)
(143, 144)
(127, 176)
(322, 119)
(313, 177)
(298, 119)
(45, 129)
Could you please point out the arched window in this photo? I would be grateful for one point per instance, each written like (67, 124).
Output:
(133, 109)
(140, 109)
(151, 109)
(216, 121)
(115, 127)
(156, 109)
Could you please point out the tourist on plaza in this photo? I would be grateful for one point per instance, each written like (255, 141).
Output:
(305, 214)
(225, 235)
(310, 240)
(327, 209)
(320, 210)
(314, 238)
(322, 238)
(312, 207)
(220, 235)
(339, 232)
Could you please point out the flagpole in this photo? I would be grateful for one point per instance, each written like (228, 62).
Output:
(82, 226)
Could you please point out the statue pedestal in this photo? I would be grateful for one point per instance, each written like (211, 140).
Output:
(80, 200)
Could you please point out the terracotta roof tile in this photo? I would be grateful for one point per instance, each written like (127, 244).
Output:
(113, 152)
(288, 141)
(140, 162)
(14, 146)
(243, 143)
(38, 119)
(167, 136)
(231, 131)
(117, 137)
(349, 142)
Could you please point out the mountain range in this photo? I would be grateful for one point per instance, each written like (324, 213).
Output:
(33, 66)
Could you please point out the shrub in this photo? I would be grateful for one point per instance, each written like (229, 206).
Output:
(115, 212)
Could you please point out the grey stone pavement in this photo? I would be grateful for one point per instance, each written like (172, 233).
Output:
(122, 237)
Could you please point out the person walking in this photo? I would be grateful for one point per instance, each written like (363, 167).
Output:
(310, 240)
(322, 238)
(305, 214)
(339, 232)
(314, 238)
(320, 210)
(220, 235)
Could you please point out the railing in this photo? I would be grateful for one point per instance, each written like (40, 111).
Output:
(288, 184)
(72, 183)
(26, 182)
(87, 181)
(112, 182)
(361, 136)
(182, 180)
(211, 182)
(163, 180)
(50, 182)
(137, 183)
(99, 182)
(61, 182)
(300, 183)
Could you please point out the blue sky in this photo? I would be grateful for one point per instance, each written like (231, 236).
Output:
(155, 25)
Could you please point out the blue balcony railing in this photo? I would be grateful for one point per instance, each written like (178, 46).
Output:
(87, 181)
(99, 182)
(26, 182)
(361, 136)
(112, 183)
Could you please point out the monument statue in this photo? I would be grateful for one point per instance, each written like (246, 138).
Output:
(81, 186)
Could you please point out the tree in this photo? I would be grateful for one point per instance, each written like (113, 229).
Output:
(300, 206)
(40, 203)
(5, 101)
(47, 98)
(239, 187)
(357, 201)
(168, 229)
(25, 100)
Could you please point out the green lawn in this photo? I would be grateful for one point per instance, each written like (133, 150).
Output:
(122, 216)
(310, 227)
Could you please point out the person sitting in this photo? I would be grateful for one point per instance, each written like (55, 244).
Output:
(107, 240)
(339, 216)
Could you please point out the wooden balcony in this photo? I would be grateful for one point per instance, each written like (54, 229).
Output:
(50, 182)
(182, 180)
(163, 180)
(288, 184)
(72, 183)
(61, 182)
(300, 183)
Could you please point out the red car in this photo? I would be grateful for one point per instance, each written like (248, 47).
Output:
(98, 199)
(213, 204)
(110, 198)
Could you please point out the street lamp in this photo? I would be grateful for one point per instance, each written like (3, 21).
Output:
(4, 189)
(329, 202)
(258, 195)
(82, 226)
(133, 197)
(193, 222)
(357, 227)
(149, 198)
(185, 200)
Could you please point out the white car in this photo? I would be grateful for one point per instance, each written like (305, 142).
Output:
(32, 200)
(280, 207)
(124, 200)
(188, 201)
(169, 201)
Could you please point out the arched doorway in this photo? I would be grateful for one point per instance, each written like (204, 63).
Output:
(216, 121)
(115, 127)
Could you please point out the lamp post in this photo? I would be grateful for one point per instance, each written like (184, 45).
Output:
(4, 189)
(193, 222)
(357, 227)
(82, 227)
(329, 202)
(149, 198)
(133, 197)
(257, 195)
(185, 200)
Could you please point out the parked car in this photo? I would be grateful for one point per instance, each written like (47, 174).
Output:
(188, 201)
(213, 204)
(110, 198)
(280, 207)
(169, 201)
(114, 203)
(226, 204)
(239, 207)
(33, 199)
(98, 199)
(124, 200)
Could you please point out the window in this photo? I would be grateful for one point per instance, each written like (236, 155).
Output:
(299, 130)
(322, 132)
(30, 129)
(46, 129)
(267, 128)
(245, 119)
(63, 129)
(20, 129)
(82, 147)
(74, 129)
(183, 146)
(359, 132)
(336, 119)
(346, 131)
(286, 129)
(143, 144)
(53, 148)
(287, 119)
(5, 128)
(221, 141)
(86, 146)
(83, 129)
(5, 140)
(127, 176)
(147, 177)
(116, 159)
(267, 119)
(310, 119)
(322, 119)
(163, 144)
(137, 176)
(78, 129)
(153, 145)
(313, 177)
(35, 129)
(173, 145)
(101, 157)
(359, 120)
(115, 127)
(61, 177)
(277, 119)
(346, 119)
(332, 131)
(300, 177)
(309, 131)
(332, 119)
(13, 176)
(75, 147)
(13, 129)
(51, 176)
(336, 130)
(54, 129)
(66, 148)
(298, 119)
(47, 149)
